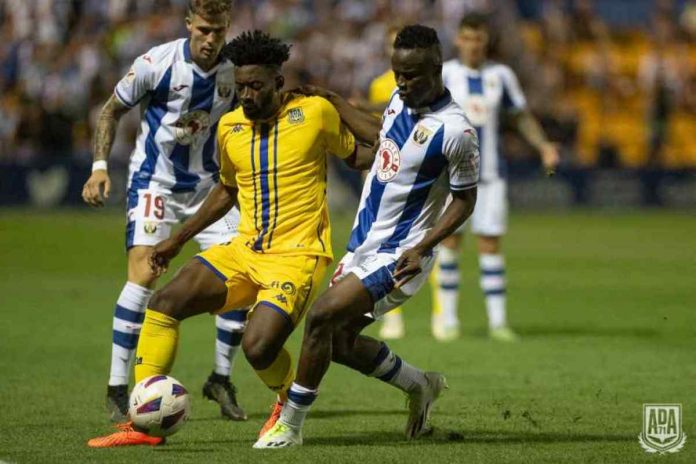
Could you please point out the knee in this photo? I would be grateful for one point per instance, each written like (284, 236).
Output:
(321, 316)
(168, 301)
(258, 352)
(139, 271)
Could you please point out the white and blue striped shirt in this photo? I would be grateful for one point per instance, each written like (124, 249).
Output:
(181, 105)
(423, 154)
(483, 93)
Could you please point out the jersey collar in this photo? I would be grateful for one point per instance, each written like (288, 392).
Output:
(473, 71)
(442, 101)
(189, 59)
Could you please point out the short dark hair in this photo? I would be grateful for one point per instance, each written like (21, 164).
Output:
(258, 48)
(474, 20)
(416, 36)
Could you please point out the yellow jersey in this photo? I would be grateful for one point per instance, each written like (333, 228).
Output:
(382, 87)
(279, 167)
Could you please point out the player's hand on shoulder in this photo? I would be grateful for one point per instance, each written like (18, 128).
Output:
(407, 267)
(162, 254)
(313, 91)
(96, 189)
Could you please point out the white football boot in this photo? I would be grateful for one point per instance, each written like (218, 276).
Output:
(279, 436)
(420, 403)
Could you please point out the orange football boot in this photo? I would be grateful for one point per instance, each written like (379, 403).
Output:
(126, 436)
(275, 415)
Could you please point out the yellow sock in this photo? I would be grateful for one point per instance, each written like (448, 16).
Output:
(434, 285)
(157, 345)
(279, 375)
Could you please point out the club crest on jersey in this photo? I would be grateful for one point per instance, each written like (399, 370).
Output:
(237, 128)
(191, 126)
(421, 134)
(389, 160)
(224, 89)
(295, 116)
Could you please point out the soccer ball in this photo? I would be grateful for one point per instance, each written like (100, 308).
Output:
(159, 405)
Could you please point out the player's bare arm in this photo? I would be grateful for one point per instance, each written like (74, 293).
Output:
(97, 187)
(363, 124)
(458, 211)
(219, 201)
(531, 130)
(363, 157)
(375, 108)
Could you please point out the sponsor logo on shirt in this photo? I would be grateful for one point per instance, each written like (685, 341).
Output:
(191, 127)
(389, 159)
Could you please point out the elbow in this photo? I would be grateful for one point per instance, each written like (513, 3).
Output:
(363, 165)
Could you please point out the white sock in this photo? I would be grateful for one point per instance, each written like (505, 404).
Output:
(230, 329)
(393, 370)
(299, 402)
(448, 286)
(493, 285)
(128, 319)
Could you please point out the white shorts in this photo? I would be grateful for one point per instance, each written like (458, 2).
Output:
(375, 271)
(153, 211)
(491, 211)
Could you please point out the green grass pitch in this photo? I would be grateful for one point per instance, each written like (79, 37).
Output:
(605, 303)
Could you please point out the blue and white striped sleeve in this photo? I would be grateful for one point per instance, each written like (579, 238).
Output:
(462, 152)
(513, 97)
(137, 82)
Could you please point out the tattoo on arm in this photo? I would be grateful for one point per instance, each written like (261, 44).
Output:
(105, 131)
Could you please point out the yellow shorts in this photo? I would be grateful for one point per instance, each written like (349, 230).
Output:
(288, 284)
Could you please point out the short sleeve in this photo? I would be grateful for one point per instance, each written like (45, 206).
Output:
(339, 140)
(462, 152)
(139, 80)
(513, 97)
(227, 171)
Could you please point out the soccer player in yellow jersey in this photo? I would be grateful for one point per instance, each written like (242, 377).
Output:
(273, 152)
(382, 86)
(381, 89)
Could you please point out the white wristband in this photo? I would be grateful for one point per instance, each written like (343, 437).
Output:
(99, 165)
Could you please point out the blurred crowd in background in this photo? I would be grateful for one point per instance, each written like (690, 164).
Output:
(613, 81)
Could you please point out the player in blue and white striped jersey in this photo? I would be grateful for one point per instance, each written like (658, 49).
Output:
(426, 151)
(182, 88)
(484, 89)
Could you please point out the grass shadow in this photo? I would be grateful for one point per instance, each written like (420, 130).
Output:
(449, 437)
(545, 331)
(323, 414)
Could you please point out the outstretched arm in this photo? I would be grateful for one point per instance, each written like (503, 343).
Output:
(219, 201)
(458, 211)
(97, 187)
(531, 130)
